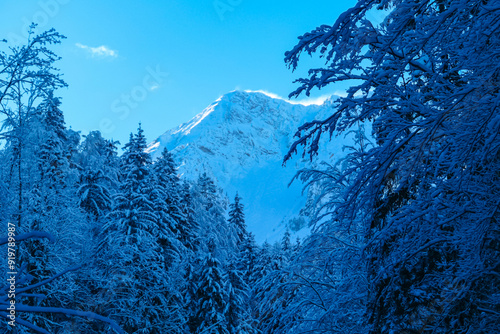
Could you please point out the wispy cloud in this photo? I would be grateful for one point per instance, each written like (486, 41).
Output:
(99, 51)
(307, 101)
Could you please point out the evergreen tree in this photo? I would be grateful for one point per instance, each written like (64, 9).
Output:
(98, 180)
(53, 117)
(167, 179)
(264, 261)
(286, 245)
(134, 276)
(53, 157)
(249, 259)
(250, 267)
(208, 191)
(210, 215)
(166, 198)
(210, 300)
(133, 212)
(54, 209)
(237, 219)
(188, 229)
(97, 153)
(269, 292)
(237, 312)
(98, 163)
(296, 247)
(94, 197)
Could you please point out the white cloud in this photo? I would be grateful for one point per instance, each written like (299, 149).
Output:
(99, 51)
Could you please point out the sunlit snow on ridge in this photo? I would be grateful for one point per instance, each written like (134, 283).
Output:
(305, 102)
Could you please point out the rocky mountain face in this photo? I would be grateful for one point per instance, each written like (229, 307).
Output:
(240, 141)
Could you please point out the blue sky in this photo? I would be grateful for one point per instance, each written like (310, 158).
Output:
(162, 62)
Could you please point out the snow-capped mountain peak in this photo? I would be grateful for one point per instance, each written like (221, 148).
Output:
(240, 140)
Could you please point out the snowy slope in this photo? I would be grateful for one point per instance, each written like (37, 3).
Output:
(240, 141)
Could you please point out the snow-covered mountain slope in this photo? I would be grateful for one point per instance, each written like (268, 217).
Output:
(240, 140)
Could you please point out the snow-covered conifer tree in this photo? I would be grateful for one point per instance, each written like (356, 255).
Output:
(210, 297)
(237, 219)
(188, 230)
(134, 277)
(249, 258)
(98, 179)
(167, 199)
(210, 216)
(238, 310)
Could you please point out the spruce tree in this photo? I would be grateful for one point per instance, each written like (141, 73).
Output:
(188, 229)
(286, 245)
(210, 302)
(237, 219)
(249, 259)
(210, 215)
(134, 277)
(238, 309)
(166, 198)
(208, 191)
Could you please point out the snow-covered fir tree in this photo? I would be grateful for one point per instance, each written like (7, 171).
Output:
(210, 296)
(238, 310)
(133, 261)
(248, 259)
(210, 212)
(237, 219)
(188, 229)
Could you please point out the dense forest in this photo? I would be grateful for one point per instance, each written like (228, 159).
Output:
(405, 234)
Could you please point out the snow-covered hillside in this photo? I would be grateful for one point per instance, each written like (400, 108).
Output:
(240, 141)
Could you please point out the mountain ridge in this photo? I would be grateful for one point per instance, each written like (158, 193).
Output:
(240, 140)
